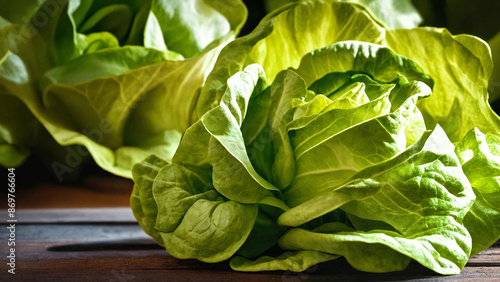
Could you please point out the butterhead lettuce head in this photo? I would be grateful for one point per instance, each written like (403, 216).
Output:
(327, 134)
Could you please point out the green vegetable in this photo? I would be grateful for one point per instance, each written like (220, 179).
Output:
(119, 77)
(327, 134)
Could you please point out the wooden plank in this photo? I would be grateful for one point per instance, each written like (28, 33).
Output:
(171, 269)
(83, 215)
(77, 233)
(489, 257)
(89, 192)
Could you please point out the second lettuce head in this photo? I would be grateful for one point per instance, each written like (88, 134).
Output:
(117, 79)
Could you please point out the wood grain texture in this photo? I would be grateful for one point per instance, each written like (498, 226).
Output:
(164, 267)
(489, 257)
(93, 191)
(85, 215)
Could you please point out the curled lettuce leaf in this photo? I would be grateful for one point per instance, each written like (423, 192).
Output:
(458, 91)
(292, 261)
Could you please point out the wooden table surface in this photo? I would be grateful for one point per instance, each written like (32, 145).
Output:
(86, 232)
